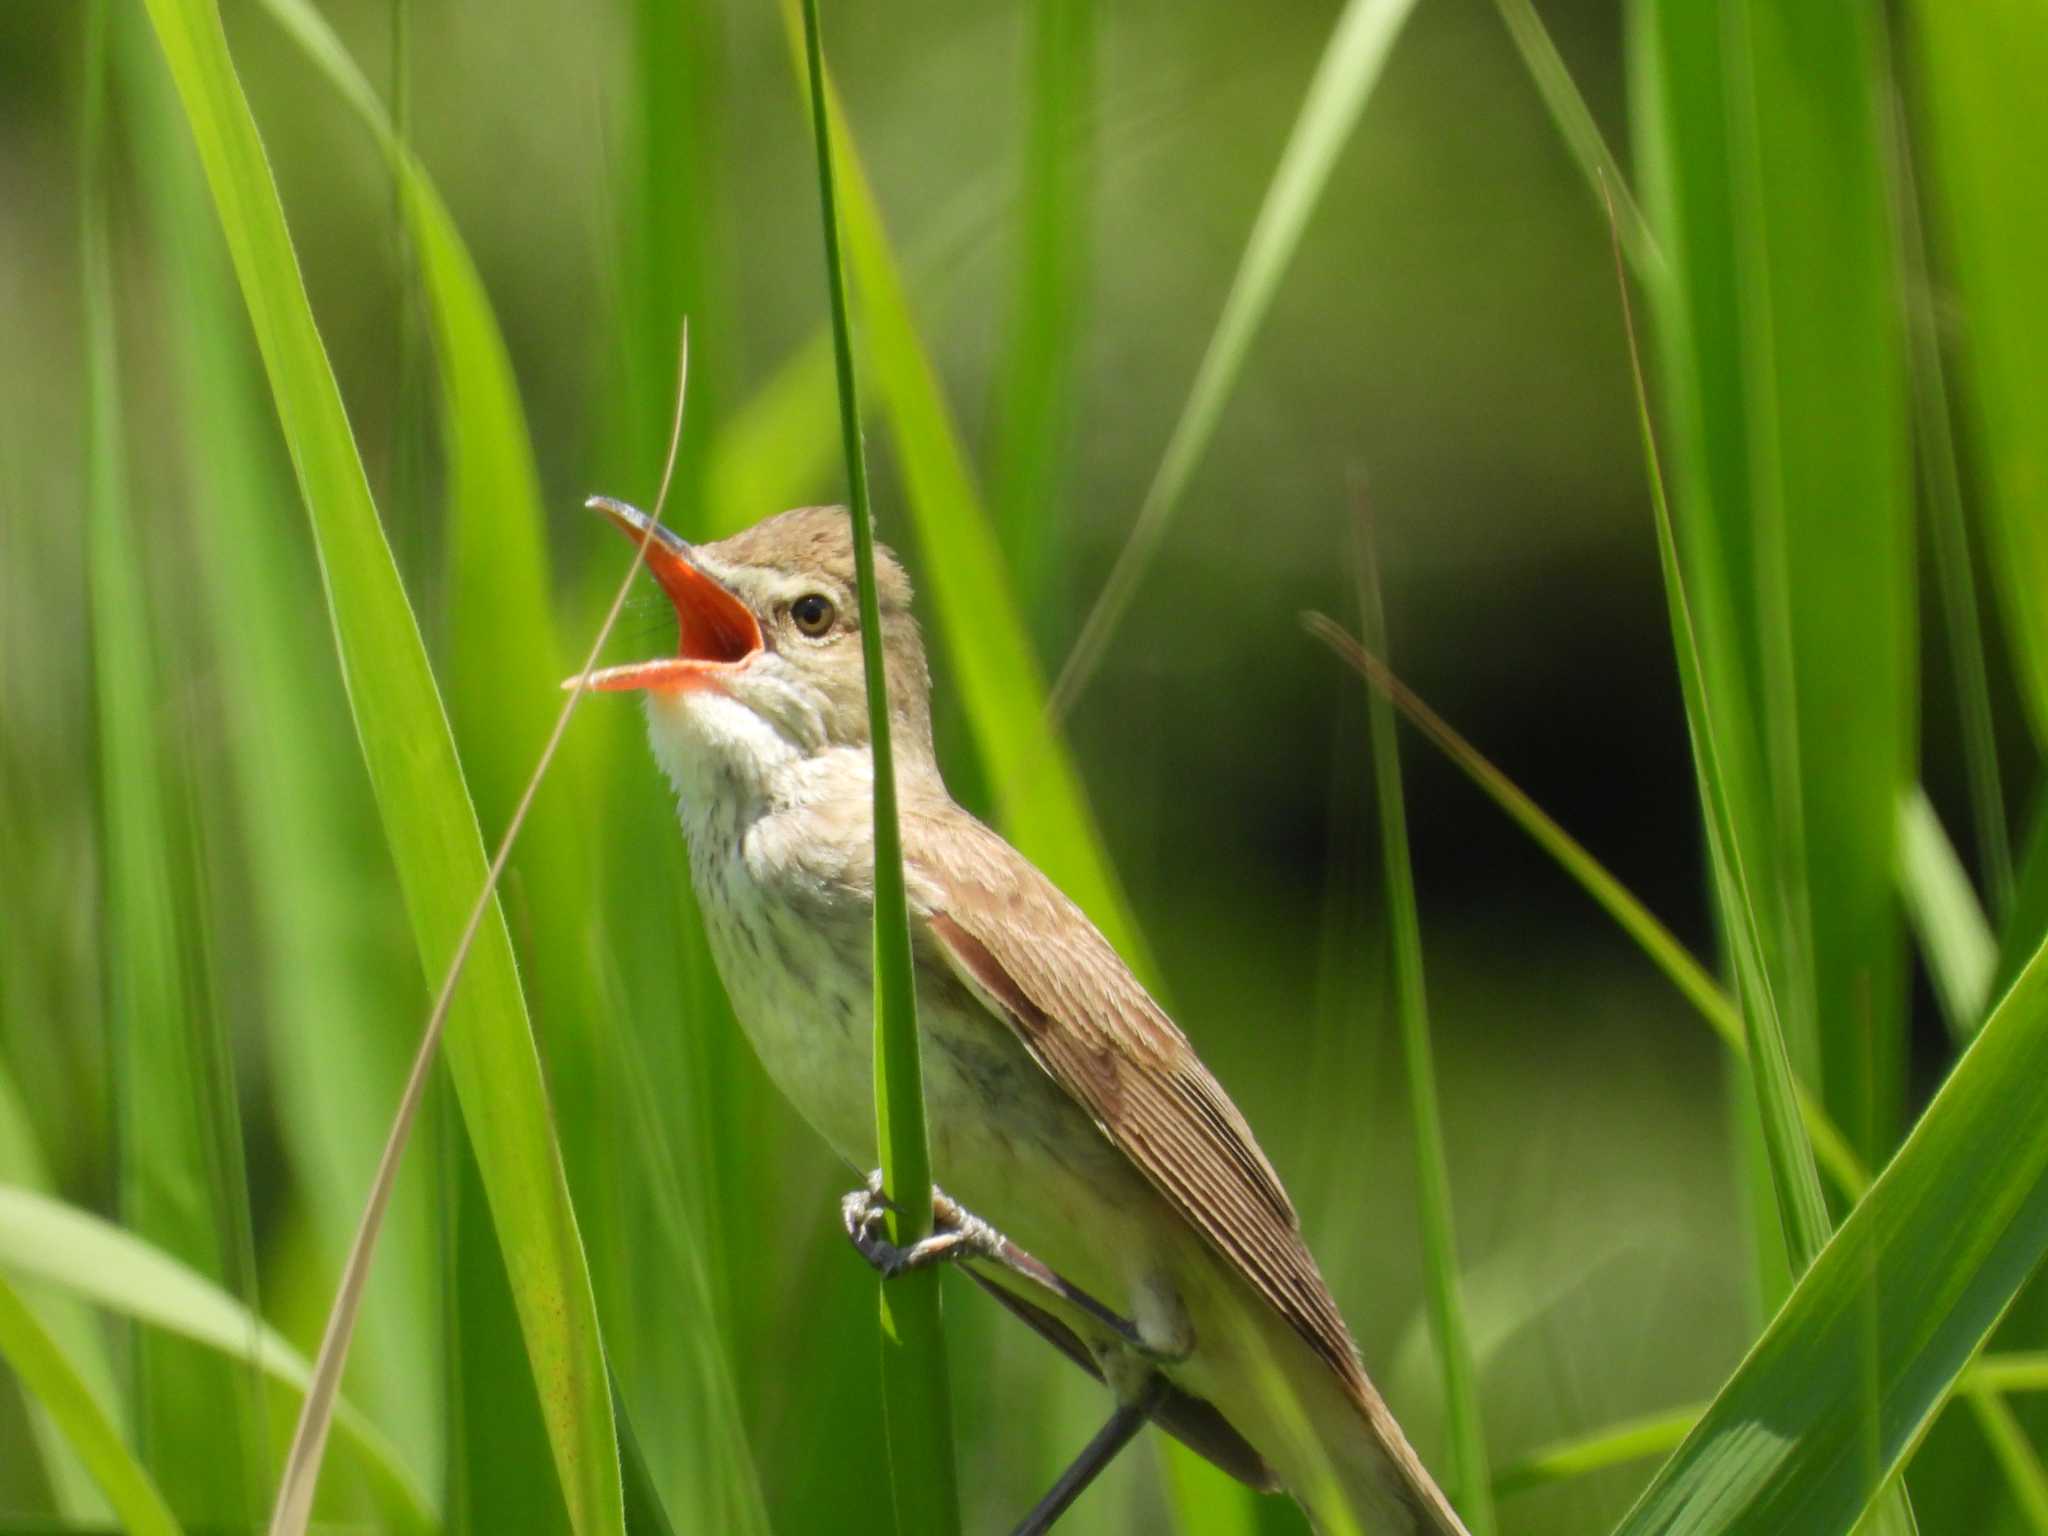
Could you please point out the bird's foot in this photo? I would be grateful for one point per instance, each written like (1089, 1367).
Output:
(958, 1233)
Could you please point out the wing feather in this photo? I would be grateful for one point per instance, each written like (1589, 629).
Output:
(1031, 954)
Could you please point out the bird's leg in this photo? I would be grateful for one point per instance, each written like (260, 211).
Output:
(960, 1234)
(1123, 1425)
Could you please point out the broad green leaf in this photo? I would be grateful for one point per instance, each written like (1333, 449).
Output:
(1897, 1304)
(57, 1245)
(429, 823)
(54, 1382)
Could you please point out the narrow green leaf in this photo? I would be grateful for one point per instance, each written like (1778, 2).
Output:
(1955, 938)
(1575, 125)
(1432, 1173)
(1909, 1288)
(1035, 397)
(915, 1388)
(1614, 1445)
(420, 792)
(56, 1384)
(57, 1245)
(181, 1153)
(300, 805)
(1344, 80)
(1973, 66)
(1656, 941)
(1039, 799)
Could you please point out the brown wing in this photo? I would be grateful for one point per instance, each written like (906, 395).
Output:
(1034, 956)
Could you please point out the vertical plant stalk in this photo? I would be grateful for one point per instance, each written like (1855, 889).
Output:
(914, 1385)
(1432, 1173)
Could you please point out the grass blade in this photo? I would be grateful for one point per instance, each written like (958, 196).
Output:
(1657, 942)
(1039, 799)
(56, 1384)
(428, 820)
(1467, 1431)
(1344, 80)
(1955, 938)
(1972, 63)
(1654, 1434)
(181, 1150)
(915, 1389)
(1952, 1228)
(1575, 125)
(1035, 399)
(60, 1246)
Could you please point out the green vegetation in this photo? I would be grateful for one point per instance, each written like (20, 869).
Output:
(325, 319)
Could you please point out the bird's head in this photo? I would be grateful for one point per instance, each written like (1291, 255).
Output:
(768, 667)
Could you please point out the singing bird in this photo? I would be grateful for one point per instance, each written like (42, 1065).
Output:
(1095, 1177)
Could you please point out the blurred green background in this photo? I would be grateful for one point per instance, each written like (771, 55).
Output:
(1448, 338)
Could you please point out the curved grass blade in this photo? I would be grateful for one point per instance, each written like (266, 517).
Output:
(1955, 937)
(1650, 935)
(58, 1245)
(54, 1383)
(1952, 1228)
(1467, 1430)
(428, 820)
(1653, 1434)
(1344, 80)
(915, 1390)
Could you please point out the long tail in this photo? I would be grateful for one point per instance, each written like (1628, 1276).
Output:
(1383, 1485)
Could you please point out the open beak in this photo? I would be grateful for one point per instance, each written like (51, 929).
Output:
(717, 631)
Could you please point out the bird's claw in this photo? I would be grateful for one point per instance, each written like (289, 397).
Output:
(959, 1233)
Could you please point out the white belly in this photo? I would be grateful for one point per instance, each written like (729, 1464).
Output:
(1007, 1141)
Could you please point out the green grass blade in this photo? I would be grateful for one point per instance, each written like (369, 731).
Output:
(1653, 1434)
(1581, 135)
(1784, 359)
(1972, 64)
(1039, 799)
(1349, 69)
(1035, 398)
(318, 943)
(1951, 1230)
(915, 1388)
(181, 1153)
(429, 824)
(69, 1325)
(1948, 532)
(1467, 1430)
(1657, 942)
(1795, 1181)
(1955, 938)
(58, 1245)
(56, 1384)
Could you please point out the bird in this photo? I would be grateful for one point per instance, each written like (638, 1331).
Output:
(1092, 1174)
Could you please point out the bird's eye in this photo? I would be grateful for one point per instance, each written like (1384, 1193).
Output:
(813, 613)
